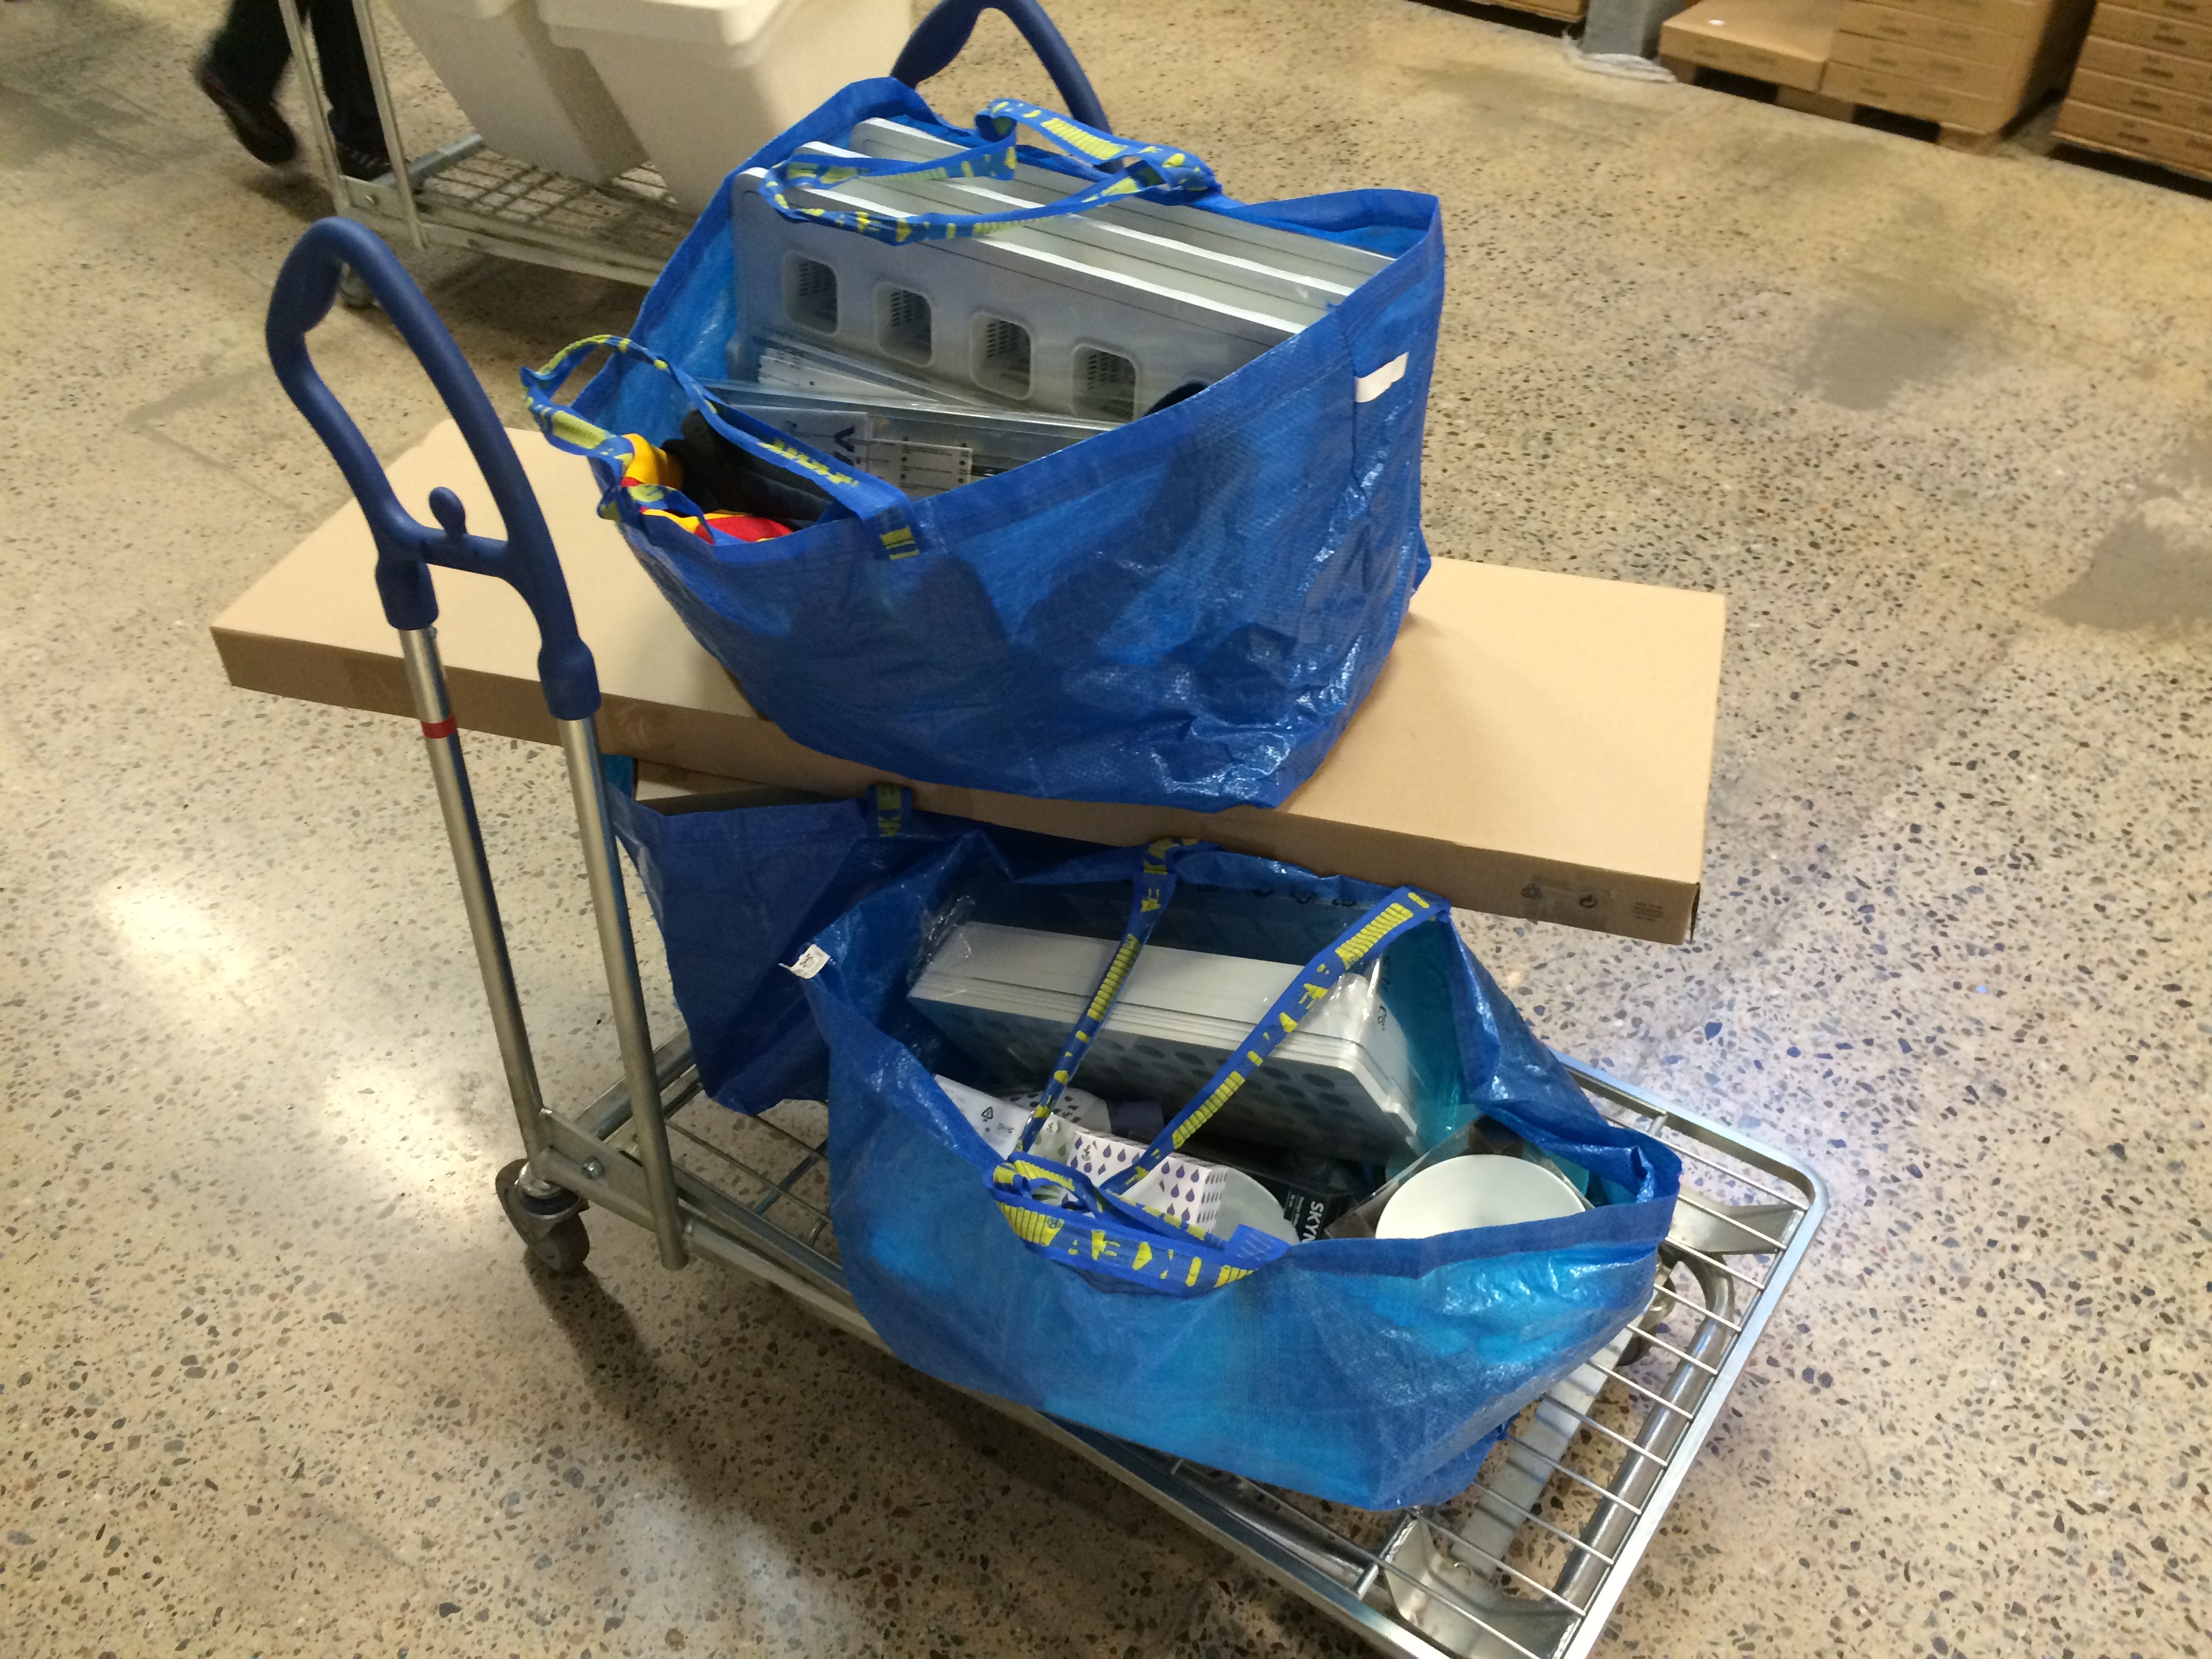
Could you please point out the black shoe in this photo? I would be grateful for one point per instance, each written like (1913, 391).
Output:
(264, 133)
(365, 161)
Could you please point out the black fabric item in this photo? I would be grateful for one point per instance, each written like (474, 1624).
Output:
(267, 135)
(248, 54)
(721, 478)
(362, 161)
(1170, 399)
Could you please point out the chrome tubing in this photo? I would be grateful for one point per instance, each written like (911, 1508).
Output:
(618, 950)
(441, 739)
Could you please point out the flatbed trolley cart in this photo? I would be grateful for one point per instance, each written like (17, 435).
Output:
(463, 194)
(1527, 1563)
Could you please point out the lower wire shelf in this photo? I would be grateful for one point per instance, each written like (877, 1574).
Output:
(1528, 1562)
(468, 196)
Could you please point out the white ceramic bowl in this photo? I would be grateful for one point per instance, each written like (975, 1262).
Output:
(1476, 1191)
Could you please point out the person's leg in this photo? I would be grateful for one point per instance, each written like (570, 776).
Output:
(249, 52)
(346, 81)
(239, 72)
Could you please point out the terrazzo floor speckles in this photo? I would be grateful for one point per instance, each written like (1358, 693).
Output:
(272, 1377)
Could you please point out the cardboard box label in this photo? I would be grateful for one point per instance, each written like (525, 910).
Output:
(2157, 69)
(1937, 33)
(2132, 98)
(1903, 97)
(2143, 28)
(1936, 69)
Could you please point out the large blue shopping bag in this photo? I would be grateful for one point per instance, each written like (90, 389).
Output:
(1182, 611)
(1375, 1372)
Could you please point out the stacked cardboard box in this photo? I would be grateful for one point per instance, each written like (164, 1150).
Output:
(1784, 41)
(2145, 84)
(1973, 65)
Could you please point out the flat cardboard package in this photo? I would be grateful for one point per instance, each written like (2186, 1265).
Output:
(2192, 111)
(1785, 41)
(2132, 135)
(1537, 745)
(1974, 112)
(1973, 65)
(1931, 31)
(2146, 66)
(2012, 17)
(2131, 27)
(1927, 65)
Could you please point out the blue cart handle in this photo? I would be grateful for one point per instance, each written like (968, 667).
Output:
(939, 37)
(406, 548)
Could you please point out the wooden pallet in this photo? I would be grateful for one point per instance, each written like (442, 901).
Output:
(1842, 109)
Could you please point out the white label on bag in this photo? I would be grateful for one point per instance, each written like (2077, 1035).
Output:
(1368, 387)
(811, 961)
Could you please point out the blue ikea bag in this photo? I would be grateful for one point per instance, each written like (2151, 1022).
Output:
(737, 894)
(1184, 610)
(1369, 1371)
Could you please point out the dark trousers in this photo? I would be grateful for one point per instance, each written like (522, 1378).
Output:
(248, 56)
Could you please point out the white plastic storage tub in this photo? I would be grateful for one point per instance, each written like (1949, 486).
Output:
(531, 99)
(706, 83)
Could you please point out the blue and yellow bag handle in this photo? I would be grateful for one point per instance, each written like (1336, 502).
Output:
(1155, 885)
(940, 36)
(885, 507)
(1119, 169)
(1060, 1211)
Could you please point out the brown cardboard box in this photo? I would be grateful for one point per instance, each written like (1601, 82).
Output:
(2194, 11)
(2176, 109)
(2131, 134)
(2013, 17)
(2052, 37)
(1972, 112)
(1537, 745)
(1933, 32)
(2141, 28)
(2185, 75)
(1785, 41)
(1937, 69)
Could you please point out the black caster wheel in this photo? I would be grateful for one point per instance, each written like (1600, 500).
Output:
(561, 1248)
(353, 293)
(551, 1223)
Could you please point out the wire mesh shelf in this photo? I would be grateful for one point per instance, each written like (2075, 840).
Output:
(1529, 1561)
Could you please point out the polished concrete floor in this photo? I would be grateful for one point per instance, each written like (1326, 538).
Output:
(273, 1378)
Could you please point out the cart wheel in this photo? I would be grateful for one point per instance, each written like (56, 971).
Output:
(561, 1249)
(353, 293)
(551, 1225)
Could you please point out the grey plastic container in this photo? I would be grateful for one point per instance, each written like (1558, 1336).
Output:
(1071, 321)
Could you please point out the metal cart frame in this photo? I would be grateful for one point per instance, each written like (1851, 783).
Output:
(1527, 1564)
(463, 195)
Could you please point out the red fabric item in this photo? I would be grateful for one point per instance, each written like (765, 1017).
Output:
(745, 526)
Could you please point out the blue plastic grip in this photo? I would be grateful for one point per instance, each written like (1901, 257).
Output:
(405, 548)
(939, 37)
